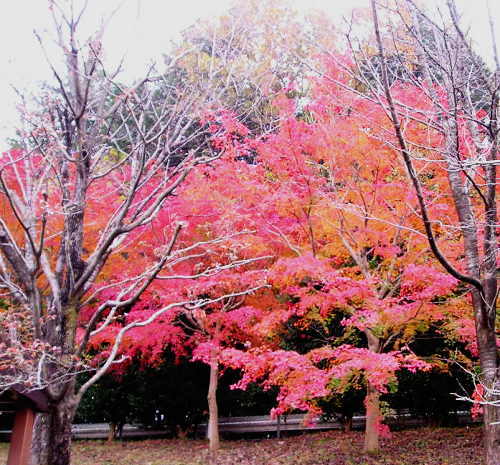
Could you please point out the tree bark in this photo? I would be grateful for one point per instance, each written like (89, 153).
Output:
(491, 433)
(60, 435)
(40, 443)
(113, 429)
(372, 402)
(52, 436)
(346, 423)
(489, 368)
(213, 414)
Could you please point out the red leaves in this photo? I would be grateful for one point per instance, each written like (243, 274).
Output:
(302, 379)
(328, 200)
(331, 202)
(478, 396)
(424, 282)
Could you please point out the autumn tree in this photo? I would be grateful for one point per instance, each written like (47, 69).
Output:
(333, 207)
(259, 49)
(201, 334)
(96, 173)
(456, 104)
(213, 329)
(198, 334)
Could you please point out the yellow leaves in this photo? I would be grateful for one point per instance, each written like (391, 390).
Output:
(414, 327)
(205, 62)
(333, 249)
(114, 155)
(197, 64)
(313, 315)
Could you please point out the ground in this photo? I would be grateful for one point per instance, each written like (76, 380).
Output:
(425, 446)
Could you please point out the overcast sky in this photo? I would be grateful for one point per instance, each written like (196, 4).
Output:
(142, 29)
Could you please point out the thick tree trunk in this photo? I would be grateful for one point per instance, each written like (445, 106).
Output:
(492, 434)
(491, 420)
(213, 414)
(60, 435)
(490, 379)
(40, 443)
(52, 435)
(372, 419)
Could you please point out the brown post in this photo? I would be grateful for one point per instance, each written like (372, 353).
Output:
(20, 442)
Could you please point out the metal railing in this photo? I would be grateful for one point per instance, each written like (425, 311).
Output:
(256, 424)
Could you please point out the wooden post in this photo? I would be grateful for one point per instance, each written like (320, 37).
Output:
(20, 442)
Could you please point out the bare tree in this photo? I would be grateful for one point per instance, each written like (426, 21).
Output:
(90, 142)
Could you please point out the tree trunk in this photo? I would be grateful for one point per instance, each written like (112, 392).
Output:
(372, 403)
(60, 435)
(346, 423)
(372, 419)
(213, 414)
(113, 428)
(40, 443)
(52, 435)
(489, 369)
(492, 434)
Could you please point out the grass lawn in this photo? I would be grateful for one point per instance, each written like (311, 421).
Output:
(425, 446)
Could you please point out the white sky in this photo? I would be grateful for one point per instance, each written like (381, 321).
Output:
(142, 29)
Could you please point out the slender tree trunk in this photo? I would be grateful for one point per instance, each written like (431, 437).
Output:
(346, 423)
(213, 414)
(372, 402)
(113, 428)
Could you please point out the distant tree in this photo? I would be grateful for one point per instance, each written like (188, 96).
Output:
(109, 401)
